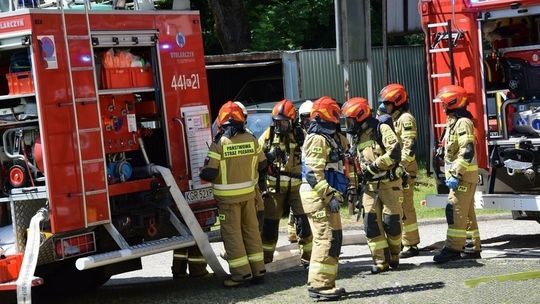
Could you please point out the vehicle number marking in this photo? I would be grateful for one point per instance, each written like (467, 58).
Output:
(198, 195)
(185, 82)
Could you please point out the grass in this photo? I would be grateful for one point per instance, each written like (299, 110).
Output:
(425, 185)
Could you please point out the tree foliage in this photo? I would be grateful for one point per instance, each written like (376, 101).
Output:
(280, 25)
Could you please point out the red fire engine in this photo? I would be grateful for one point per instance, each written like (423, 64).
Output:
(104, 120)
(492, 49)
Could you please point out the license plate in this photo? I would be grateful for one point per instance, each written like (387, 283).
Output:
(198, 195)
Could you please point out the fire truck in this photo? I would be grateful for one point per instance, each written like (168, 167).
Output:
(492, 49)
(104, 124)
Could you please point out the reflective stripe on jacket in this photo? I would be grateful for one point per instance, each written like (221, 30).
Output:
(237, 161)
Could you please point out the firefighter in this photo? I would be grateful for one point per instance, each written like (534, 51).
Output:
(303, 120)
(461, 173)
(323, 186)
(189, 257)
(378, 151)
(232, 164)
(394, 97)
(282, 145)
(259, 202)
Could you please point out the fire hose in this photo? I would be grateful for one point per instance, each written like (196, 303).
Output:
(31, 254)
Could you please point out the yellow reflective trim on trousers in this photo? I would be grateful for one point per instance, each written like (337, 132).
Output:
(410, 227)
(473, 233)
(394, 242)
(233, 192)
(459, 233)
(269, 247)
(306, 247)
(239, 262)
(377, 245)
(256, 257)
(323, 268)
(320, 186)
(180, 256)
(223, 169)
(361, 146)
(214, 155)
(197, 260)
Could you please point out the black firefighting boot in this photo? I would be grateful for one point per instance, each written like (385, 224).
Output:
(394, 262)
(378, 268)
(446, 255)
(409, 252)
(474, 255)
(330, 294)
(230, 283)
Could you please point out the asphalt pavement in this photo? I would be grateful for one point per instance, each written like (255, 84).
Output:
(511, 253)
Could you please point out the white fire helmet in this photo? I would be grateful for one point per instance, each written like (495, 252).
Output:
(305, 107)
(242, 107)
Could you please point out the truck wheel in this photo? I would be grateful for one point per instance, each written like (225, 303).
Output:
(66, 278)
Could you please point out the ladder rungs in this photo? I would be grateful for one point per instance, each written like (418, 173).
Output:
(440, 75)
(89, 130)
(95, 192)
(79, 69)
(431, 25)
(86, 99)
(92, 161)
(439, 50)
(78, 37)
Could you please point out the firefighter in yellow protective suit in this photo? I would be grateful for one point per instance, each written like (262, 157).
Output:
(191, 258)
(395, 99)
(259, 202)
(461, 177)
(322, 190)
(379, 151)
(282, 146)
(232, 164)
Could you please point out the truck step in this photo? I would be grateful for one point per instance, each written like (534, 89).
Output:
(140, 250)
(12, 285)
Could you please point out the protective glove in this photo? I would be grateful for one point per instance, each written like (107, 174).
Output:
(368, 171)
(335, 205)
(452, 182)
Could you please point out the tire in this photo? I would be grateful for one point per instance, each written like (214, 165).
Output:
(65, 278)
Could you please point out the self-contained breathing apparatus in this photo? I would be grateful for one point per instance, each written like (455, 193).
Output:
(362, 164)
(277, 157)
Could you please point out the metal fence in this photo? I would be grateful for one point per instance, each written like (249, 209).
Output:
(320, 75)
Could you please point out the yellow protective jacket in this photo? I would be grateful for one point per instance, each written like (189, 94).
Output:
(315, 191)
(406, 131)
(459, 146)
(385, 157)
(289, 164)
(237, 161)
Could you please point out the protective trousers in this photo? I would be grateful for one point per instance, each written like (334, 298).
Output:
(291, 228)
(273, 210)
(410, 235)
(192, 257)
(327, 239)
(242, 240)
(461, 217)
(382, 222)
